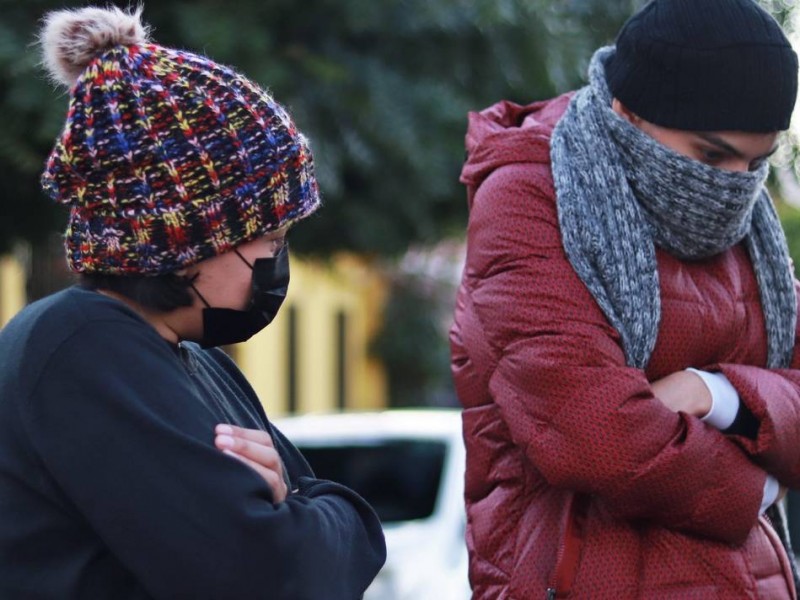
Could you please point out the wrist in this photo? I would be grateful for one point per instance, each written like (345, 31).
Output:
(703, 400)
(719, 406)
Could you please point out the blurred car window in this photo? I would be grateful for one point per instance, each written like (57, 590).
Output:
(409, 465)
(400, 478)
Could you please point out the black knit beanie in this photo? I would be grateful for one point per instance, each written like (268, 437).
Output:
(705, 65)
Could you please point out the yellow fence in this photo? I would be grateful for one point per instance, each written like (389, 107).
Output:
(12, 288)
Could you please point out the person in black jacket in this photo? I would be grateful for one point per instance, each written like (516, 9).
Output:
(135, 459)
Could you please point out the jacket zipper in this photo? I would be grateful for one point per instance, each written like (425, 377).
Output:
(569, 550)
(552, 591)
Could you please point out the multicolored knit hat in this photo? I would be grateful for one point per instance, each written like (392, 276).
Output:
(166, 158)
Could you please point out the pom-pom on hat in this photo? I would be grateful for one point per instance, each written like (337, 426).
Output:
(166, 157)
(705, 65)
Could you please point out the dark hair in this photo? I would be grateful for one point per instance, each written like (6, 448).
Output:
(156, 292)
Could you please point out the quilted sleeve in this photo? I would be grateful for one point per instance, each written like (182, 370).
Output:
(773, 397)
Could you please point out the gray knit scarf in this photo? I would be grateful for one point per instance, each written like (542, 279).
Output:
(620, 194)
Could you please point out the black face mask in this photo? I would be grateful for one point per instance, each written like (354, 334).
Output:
(222, 326)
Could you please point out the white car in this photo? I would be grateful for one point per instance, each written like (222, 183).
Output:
(409, 465)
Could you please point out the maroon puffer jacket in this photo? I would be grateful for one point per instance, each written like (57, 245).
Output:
(578, 478)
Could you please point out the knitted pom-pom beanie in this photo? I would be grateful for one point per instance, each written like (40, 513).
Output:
(166, 157)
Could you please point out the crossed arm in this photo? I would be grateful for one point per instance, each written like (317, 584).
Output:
(133, 456)
(688, 392)
(584, 419)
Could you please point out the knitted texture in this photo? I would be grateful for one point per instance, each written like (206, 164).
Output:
(168, 158)
(693, 210)
(705, 65)
(620, 193)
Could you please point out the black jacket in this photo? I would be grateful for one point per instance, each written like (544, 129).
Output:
(111, 487)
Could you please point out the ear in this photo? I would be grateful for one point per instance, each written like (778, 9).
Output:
(623, 111)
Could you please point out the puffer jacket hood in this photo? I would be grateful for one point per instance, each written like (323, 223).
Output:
(509, 133)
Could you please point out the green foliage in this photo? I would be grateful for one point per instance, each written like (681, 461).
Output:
(790, 218)
(411, 343)
(381, 88)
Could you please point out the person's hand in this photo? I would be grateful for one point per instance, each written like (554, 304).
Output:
(254, 448)
(683, 391)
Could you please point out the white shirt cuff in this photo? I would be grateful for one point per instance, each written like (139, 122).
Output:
(771, 490)
(724, 399)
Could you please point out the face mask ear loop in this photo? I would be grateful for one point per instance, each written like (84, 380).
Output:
(199, 295)
(244, 260)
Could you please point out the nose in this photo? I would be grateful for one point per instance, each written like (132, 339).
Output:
(738, 166)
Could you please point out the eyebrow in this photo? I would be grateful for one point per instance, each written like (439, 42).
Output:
(720, 143)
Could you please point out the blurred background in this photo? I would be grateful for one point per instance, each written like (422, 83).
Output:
(382, 88)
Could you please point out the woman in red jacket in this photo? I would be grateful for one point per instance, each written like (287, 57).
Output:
(624, 342)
